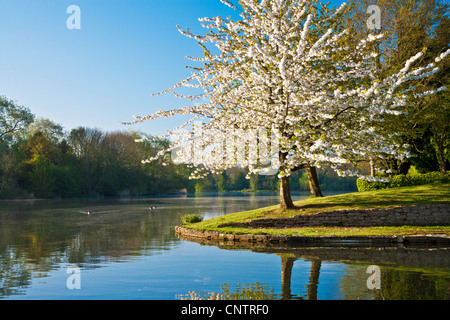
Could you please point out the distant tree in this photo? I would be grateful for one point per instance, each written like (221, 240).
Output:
(50, 167)
(435, 111)
(38, 145)
(41, 177)
(255, 182)
(10, 168)
(303, 181)
(223, 183)
(87, 145)
(161, 175)
(240, 182)
(122, 162)
(47, 127)
(13, 117)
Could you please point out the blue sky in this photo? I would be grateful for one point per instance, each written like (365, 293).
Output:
(105, 72)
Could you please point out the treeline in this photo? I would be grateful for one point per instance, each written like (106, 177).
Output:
(235, 180)
(38, 158)
(85, 162)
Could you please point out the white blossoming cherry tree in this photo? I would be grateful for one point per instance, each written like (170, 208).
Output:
(288, 76)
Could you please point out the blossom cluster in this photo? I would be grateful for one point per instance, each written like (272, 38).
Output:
(256, 149)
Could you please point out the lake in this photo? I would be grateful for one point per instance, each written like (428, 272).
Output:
(123, 250)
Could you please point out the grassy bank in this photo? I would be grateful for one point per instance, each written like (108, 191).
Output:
(404, 196)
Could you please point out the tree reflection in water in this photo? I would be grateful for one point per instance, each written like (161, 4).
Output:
(287, 262)
(427, 279)
(248, 291)
(260, 291)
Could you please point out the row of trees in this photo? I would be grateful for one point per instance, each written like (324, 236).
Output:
(235, 180)
(38, 158)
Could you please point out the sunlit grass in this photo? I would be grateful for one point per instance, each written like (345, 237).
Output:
(345, 231)
(404, 196)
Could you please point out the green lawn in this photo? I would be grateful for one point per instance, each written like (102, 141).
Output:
(404, 196)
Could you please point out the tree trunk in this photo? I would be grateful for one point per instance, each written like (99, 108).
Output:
(372, 168)
(442, 164)
(314, 182)
(314, 279)
(285, 194)
(285, 191)
(286, 271)
(440, 153)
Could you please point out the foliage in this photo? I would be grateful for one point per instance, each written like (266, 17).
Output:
(46, 162)
(250, 291)
(46, 127)
(191, 218)
(224, 183)
(412, 178)
(410, 27)
(364, 185)
(41, 160)
(329, 181)
(13, 118)
(239, 182)
(266, 183)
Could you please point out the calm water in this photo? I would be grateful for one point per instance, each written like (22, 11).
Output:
(123, 250)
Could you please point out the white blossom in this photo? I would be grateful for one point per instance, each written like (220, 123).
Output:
(273, 75)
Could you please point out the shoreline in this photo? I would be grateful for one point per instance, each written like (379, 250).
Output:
(390, 217)
(214, 237)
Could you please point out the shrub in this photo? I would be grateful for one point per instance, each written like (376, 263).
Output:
(364, 185)
(412, 178)
(191, 218)
(400, 181)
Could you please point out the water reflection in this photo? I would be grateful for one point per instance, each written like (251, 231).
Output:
(396, 283)
(404, 274)
(246, 291)
(287, 262)
(123, 246)
(38, 236)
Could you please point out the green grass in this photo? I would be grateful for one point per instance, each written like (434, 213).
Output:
(403, 196)
(345, 231)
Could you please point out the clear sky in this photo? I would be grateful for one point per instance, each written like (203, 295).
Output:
(104, 72)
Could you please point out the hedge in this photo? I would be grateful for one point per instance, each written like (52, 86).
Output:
(412, 178)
